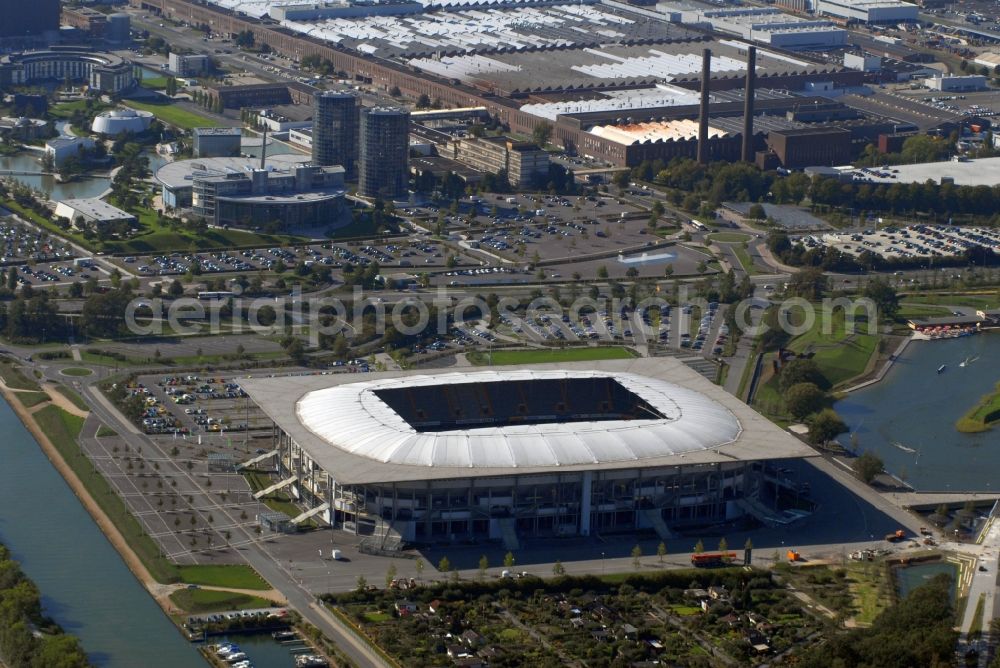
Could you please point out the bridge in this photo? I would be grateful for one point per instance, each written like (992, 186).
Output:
(935, 499)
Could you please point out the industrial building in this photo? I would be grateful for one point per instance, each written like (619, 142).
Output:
(20, 22)
(117, 121)
(84, 18)
(283, 191)
(187, 64)
(769, 26)
(807, 147)
(334, 141)
(261, 95)
(384, 152)
(216, 142)
(872, 12)
(91, 211)
(523, 163)
(100, 71)
(525, 452)
(956, 84)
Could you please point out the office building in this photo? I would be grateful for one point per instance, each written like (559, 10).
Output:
(335, 131)
(523, 162)
(384, 155)
(216, 142)
(187, 65)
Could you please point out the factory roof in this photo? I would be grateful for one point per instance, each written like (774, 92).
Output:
(94, 209)
(377, 430)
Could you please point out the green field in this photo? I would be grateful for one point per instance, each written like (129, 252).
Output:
(104, 431)
(983, 301)
(29, 399)
(14, 379)
(729, 237)
(76, 371)
(73, 397)
(909, 310)
(63, 430)
(840, 354)
(200, 601)
(172, 114)
(234, 576)
(983, 415)
(745, 260)
(504, 357)
(154, 83)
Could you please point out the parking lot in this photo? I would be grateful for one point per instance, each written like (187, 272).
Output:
(914, 241)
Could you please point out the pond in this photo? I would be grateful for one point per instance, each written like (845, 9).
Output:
(909, 578)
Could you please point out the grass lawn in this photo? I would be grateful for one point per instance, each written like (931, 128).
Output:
(237, 576)
(983, 415)
(276, 501)
(171, 114)
(14, 379)
(73, 397)
(155, 83)
(840, 354)
(63, 430)
(76, 371)
(375, 617)
(104, 431)
(745, 260)
(503, 357)
(200, 601)
(29, 399)
(912, 310)
(729, 237)
(984, 301)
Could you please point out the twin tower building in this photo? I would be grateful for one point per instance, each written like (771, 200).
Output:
(371, 143)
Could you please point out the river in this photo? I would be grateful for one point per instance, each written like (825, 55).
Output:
(85, 585)
(908, 419)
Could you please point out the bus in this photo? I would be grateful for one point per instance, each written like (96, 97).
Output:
(209, 295)
(712, 559)
(698, 225)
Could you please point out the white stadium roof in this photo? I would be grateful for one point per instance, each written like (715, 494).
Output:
(350, 432)
(353, 418)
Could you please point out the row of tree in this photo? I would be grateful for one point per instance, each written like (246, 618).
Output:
(20, 616)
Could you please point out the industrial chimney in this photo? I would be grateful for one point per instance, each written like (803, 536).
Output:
(263, 147)
(706, 76)
(749, 91)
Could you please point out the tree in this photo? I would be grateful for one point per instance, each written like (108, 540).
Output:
(756, 212)
(176, 289)
(723, 544)
(809, 283)
(825, 426)
(541, 133)
(867, 467)
(362, 583)
(444, 565)
(661, 551)
(484, 565)
(699, 547)
(801, 371)
(508, 560)
(424, 101)
(558, 568)
(884, 295)
(804, 399)
(602, 272)
(636, 557)
(390, 575)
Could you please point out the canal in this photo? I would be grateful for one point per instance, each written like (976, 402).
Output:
(85, 585)
(908, 419)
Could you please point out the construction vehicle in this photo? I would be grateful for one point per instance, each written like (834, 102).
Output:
(893, 537)
(793, 556)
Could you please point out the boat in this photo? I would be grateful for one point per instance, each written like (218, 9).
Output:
(235, 657)
(902, 447)
(310, 661)
(965, 362)
(243, 664)
(942, 368)
(285, 635)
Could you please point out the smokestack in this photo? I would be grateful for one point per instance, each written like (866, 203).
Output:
(263, 147)
(706, 76)
(749, 91)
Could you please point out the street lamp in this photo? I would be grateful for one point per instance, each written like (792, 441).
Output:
(602, 563)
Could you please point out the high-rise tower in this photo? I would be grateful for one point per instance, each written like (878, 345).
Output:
(335, 131)
(385, 146)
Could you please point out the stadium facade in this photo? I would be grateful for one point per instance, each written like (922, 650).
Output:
(519, 452)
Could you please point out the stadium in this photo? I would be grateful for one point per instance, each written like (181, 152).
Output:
(519, 452)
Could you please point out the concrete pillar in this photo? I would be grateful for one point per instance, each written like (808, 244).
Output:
(585, 493)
